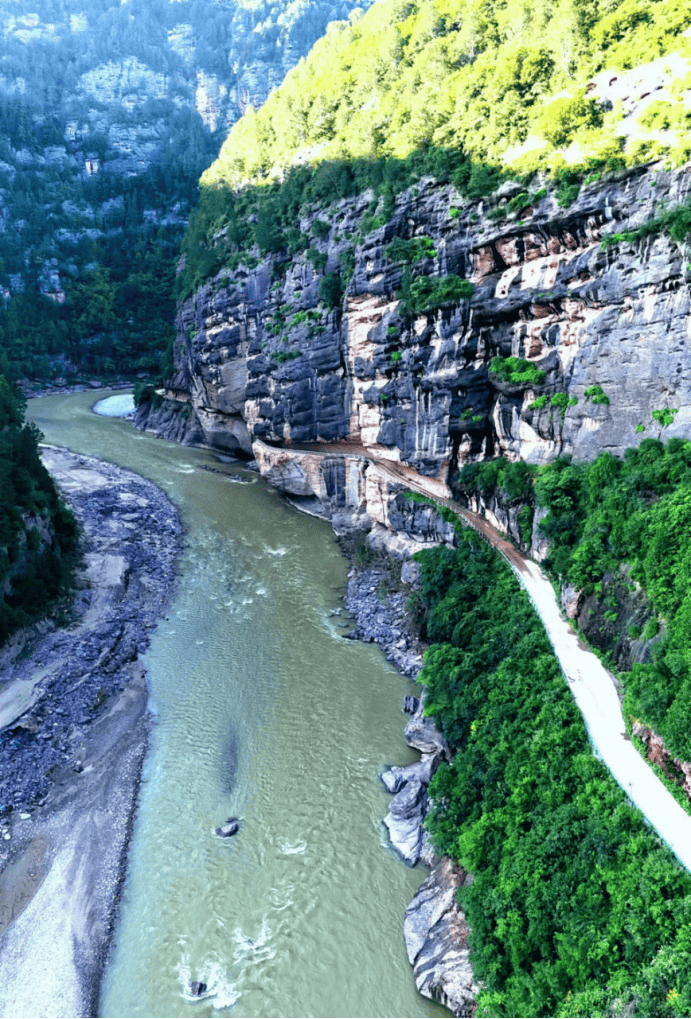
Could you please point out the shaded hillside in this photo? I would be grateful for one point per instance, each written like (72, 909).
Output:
(108, 114)
(37, 532)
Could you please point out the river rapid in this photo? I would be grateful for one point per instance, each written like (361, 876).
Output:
(263, 710)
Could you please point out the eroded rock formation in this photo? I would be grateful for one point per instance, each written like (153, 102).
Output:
(263, 364)
(436, 937)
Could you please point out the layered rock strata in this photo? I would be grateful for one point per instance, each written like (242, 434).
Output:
(436, 937)
(261, 358)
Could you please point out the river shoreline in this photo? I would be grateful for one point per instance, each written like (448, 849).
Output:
(435, 932)
(75, 729)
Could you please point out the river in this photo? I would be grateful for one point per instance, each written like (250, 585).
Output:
(263, 710)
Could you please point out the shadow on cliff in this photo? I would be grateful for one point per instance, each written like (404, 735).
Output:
(228, 222)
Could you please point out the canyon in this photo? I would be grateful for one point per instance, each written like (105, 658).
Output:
(348, 409)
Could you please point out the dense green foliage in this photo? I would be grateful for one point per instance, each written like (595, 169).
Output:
(635, 510)
(410, 251)
(575, 907)
(466, 75)
(117, 316)
(513, 479)
(596, 394)
(465, 91)
(99, 241)
(107, 244)
(429, 292)
(37, 532)
(517, 371)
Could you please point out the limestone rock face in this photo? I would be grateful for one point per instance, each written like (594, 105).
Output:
(409, 784)
(395, 778)
(418, 392)
(422, 734)
(436, 937)
(404, 820)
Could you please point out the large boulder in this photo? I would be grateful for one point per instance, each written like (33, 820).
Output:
(436, 937)
(231, 827)
(410, 703)
(404, 821)
(421, 771)
(422, 734)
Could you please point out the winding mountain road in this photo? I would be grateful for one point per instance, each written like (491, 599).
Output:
(593, 687)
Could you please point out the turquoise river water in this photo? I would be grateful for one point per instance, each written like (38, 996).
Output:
(262, 710)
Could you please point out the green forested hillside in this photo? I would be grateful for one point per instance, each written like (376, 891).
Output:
(467, 75)
(37, 532)
(109, 112)
(576, 908)
(467, 91)
(632, 513)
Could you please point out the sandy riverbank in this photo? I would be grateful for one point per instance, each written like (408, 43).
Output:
(73, 734)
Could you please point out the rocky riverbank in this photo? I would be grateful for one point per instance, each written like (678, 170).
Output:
(73, 733)
(436, 935)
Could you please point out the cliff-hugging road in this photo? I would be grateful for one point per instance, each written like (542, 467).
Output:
(595, 692)
(592, 685)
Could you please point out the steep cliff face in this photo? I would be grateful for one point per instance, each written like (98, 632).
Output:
(262, 356)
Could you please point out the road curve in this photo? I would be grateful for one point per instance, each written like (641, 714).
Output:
(593, 687)
(595, 693)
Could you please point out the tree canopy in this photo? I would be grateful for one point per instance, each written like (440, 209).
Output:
(465, 74)
(37, 532)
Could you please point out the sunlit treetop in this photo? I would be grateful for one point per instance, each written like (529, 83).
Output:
(519, 82)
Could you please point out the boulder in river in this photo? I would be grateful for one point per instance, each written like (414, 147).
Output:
(404, 821)
(422, 734)
(198, 988)
(410, 704)
(421, 771)
(231, 827)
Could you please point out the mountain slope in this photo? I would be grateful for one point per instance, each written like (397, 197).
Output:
(524, 83)
(37, 532)
(444, 243)
(108, 114)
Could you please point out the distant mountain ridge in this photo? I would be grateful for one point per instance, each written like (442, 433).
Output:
(109, 112)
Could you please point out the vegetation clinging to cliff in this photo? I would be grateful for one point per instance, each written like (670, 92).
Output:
(634, 511)
(575, 907)
(462, 90)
